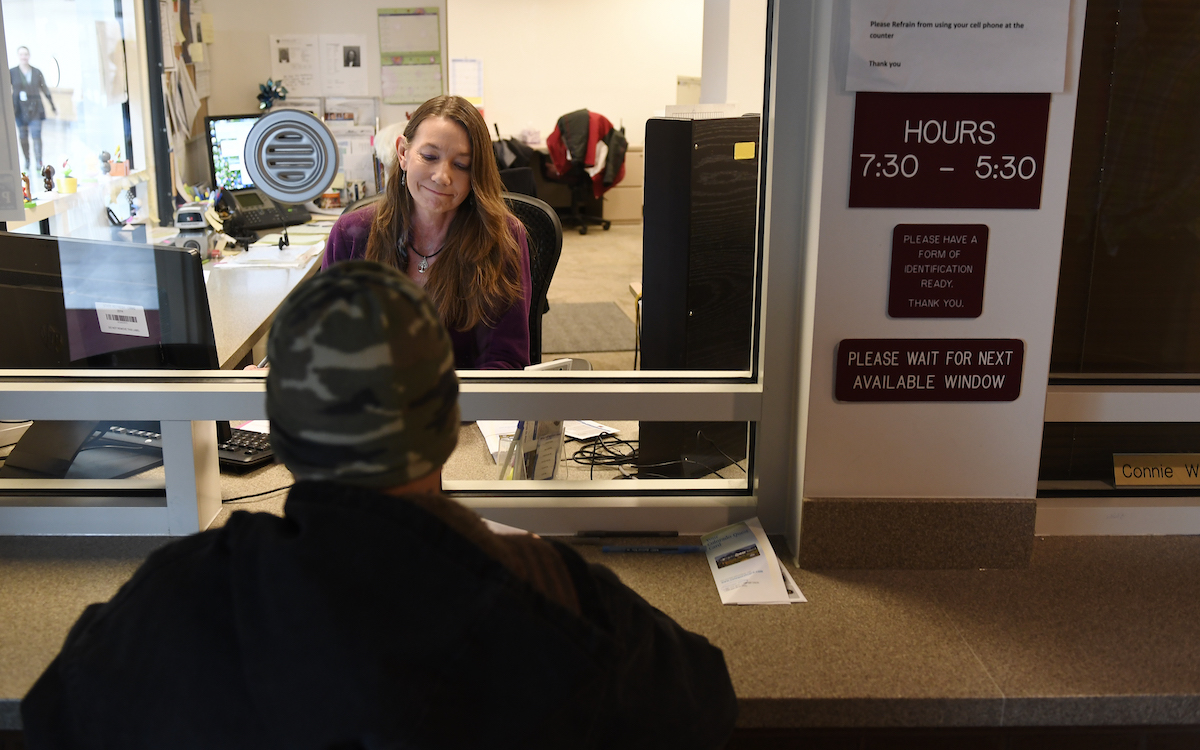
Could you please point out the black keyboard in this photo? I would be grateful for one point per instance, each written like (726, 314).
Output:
(244, 450)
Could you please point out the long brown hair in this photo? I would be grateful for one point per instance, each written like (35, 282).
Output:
(479, 275)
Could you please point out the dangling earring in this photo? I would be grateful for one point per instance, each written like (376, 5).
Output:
(403, 177)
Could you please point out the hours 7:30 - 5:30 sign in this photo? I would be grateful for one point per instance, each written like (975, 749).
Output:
(948, 150)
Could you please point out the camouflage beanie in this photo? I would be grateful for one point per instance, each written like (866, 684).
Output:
(361, 388)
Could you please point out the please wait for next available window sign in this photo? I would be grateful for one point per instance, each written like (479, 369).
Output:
(1156, 469)
(929, 369)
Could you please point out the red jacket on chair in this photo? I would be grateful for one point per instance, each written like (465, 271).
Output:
(568, 132)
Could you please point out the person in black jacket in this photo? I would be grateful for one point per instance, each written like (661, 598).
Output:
(376, 612)
(28, 86)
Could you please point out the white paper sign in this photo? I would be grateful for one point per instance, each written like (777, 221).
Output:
(295, 61)
(342, 70)
(124, 320)
(979, 46)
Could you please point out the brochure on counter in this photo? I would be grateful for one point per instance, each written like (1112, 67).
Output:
(745, 568)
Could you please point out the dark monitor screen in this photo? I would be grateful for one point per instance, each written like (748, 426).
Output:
(75, 303)
(90, 303)
(226, 146)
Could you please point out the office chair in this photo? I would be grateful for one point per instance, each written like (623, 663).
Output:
(544, 234)
(363, 202)
(519, 180)
(572, 146)
(581, 192)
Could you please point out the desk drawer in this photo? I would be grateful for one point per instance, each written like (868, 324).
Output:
(623, 203)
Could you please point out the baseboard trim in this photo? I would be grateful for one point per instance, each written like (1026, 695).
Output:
(920, 534)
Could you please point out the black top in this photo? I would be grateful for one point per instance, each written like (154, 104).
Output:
(365, 620)
(27, 104)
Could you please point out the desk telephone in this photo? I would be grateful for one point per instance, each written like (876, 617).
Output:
(250, 208)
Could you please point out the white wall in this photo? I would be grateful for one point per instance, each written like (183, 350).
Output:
(240, 51)
(544, 58)
(747, 54)
(734, 53)
(541, 58)
(932, 450)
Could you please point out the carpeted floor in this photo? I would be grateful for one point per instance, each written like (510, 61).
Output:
(586, 327)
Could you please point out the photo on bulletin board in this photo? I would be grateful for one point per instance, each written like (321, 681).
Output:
(342, 71)
(358, 110)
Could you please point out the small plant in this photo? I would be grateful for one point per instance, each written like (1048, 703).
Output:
(66, 169)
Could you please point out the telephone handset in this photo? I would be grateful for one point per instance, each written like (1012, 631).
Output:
(252, 209)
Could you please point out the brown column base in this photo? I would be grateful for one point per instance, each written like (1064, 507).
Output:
(916, 534)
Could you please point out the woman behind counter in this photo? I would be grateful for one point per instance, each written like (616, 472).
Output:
(444, 223)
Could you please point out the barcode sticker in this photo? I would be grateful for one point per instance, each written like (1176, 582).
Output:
(124, 320)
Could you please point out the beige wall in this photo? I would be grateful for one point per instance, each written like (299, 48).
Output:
(541, 58)
(617, 57)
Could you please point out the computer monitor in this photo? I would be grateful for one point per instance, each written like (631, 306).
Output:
(76, 303)
(226, 146)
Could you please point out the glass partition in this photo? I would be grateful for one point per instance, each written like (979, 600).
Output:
(1129, 302)
(663, 304)
(67, 59)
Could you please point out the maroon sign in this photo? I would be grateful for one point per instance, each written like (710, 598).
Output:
(948, 150)
(937, 270)
(929, 369)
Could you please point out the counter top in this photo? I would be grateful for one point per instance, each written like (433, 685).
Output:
(1098, 631)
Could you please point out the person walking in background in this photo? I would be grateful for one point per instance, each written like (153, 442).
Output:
(28, 86)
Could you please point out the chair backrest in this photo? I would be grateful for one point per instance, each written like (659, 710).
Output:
(519, 180)
(544, 234)
(363, 202)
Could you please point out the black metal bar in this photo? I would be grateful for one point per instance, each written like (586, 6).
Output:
(44, 226)
(119, 12)
(158, 116)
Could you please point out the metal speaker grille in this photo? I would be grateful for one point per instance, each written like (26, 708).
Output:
(291, 156)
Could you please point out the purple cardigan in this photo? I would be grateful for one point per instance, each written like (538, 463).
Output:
(504, 346)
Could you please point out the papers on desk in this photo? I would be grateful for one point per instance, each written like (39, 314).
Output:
(745, 568)
(296, 255)
(320, 227)
(496, 431)
(294, 238)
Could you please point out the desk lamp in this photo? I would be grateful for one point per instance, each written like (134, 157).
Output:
(292, 157)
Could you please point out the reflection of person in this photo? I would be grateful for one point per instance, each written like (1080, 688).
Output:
(350, 57)
(376, 612)
(284, 55)
(28, 85)
(443, 221)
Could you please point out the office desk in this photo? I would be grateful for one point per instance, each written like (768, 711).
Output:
(1096, 632)
(243, 302)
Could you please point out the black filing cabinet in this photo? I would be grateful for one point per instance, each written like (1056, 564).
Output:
(698, 272)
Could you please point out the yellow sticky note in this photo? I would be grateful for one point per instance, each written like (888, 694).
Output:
(743, 150)
(196, 50)
(207, 33)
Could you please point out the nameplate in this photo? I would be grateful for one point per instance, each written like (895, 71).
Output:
(929, 369)
(1156, 469)
(937, 270)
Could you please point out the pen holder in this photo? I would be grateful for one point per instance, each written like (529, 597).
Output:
(118, 169)
(67, 184)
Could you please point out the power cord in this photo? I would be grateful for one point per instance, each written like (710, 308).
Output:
(605, 450)
(243, 498)
(713, 443)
